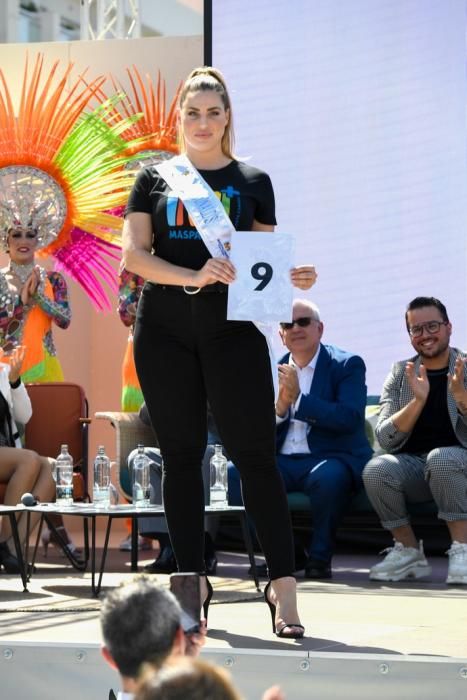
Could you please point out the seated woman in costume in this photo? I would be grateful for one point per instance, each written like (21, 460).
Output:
(22, 470)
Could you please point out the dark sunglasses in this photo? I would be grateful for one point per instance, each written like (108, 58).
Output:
(16, 234)
(303, 322)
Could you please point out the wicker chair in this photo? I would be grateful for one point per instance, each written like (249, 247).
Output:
(129, 431)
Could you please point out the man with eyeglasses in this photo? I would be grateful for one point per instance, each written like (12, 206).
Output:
(423, 426)
(321, 442)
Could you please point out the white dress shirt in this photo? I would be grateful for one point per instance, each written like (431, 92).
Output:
(296, 439)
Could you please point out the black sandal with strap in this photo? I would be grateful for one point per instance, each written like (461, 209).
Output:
(281, 631)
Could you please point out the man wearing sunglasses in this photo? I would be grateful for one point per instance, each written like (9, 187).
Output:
(321, 441)
(423, 426)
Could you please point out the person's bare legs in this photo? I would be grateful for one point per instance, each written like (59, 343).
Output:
(30, 473)
(56, 519)
(458, 530)
(20, 469)
(44, 491)
(405, 535)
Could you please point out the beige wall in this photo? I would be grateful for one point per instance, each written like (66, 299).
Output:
(92, 348)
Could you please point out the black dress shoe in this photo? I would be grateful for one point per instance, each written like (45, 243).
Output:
(164, 564)
(315, 568)
(300, 561)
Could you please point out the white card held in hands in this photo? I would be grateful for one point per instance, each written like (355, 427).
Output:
(262, 290)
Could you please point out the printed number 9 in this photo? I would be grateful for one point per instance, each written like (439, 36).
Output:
(262, 271)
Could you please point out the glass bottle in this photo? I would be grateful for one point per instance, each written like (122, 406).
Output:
(101, 488)
(64, 477)
(141, 479)
(218, 492)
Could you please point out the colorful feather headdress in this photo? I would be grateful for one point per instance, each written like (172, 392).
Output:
(62, 171)
(153, 137)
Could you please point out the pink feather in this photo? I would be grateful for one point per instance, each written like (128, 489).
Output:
(86, 260)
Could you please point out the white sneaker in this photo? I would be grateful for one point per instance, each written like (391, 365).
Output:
(143, 544)
(457, 570)
(125, 545)
(401, 563)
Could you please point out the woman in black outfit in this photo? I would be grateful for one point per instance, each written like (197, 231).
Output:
(186, 352)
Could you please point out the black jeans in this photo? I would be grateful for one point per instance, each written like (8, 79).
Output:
(186, 353)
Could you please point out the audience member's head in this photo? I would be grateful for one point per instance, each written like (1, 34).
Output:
(424, 302)
(140, 623)
(187, 679)
(303, 335)
(429, 327)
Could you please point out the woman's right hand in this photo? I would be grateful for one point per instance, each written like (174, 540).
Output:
(214, 270)
(15, 360)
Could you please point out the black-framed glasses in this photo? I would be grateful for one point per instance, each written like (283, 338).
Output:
(303, 322)
(431, 326)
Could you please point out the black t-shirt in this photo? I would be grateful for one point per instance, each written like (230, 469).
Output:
(433, 427)
(245, 192)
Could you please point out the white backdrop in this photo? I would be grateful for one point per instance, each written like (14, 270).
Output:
(357, 111)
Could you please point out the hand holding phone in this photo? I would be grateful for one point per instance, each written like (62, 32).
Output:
(186, 589)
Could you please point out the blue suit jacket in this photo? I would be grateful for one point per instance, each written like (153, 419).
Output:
(334, 410)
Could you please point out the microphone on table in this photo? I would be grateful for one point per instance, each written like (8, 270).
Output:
(27, 499)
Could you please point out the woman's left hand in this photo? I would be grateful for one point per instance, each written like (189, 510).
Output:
(15, 360)
(303, 276)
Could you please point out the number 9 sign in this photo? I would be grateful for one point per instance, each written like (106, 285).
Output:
(262, 290)
(262, 271)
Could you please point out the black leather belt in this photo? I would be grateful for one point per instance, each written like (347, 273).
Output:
(217, 287)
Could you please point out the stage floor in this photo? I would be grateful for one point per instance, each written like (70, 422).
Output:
(348, 614)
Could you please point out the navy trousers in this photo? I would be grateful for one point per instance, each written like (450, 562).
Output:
(328, 484)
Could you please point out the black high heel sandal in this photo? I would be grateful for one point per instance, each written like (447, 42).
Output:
(281, 632)
(207, 600)
(8, 560)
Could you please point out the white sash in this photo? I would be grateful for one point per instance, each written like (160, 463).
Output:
(211, 221)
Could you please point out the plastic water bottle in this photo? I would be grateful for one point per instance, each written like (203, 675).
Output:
(141, 480)
(101, 489)
(218, 492)
(64, 478)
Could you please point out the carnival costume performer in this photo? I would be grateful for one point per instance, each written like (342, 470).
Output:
(61, 174)
(31, 299)
(187, 352)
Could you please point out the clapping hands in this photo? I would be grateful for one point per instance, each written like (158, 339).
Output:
(456, 384)
(15, 360)
(30, 286)
(418, 383)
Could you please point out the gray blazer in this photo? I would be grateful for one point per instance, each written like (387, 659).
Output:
(397, 393)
